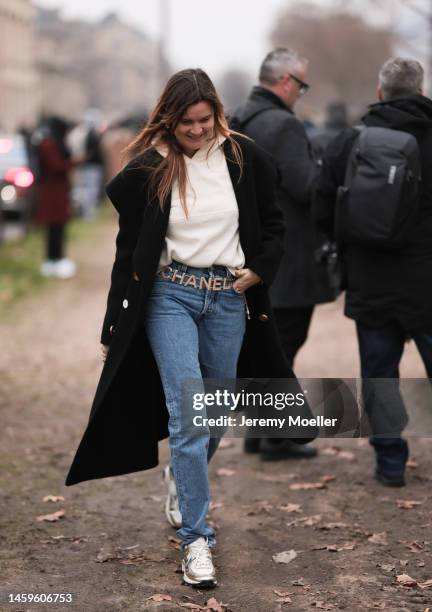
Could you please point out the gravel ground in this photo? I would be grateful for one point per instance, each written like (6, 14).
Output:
(112, 549)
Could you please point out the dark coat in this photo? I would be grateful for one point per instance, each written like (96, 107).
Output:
(300, 280)
(129, 416)
(396, 286)
(53, 186)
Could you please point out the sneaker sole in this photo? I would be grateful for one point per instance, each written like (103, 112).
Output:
(208, 583)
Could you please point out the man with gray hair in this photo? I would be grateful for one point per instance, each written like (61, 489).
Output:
(268, 118)
(388, 292)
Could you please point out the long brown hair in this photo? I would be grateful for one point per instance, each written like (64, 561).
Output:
(183, 89)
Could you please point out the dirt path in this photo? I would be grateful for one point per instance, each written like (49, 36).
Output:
(113, 550)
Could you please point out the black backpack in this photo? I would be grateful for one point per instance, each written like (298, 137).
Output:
(378, 205)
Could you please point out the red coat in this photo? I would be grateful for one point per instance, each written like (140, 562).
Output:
(53, 186)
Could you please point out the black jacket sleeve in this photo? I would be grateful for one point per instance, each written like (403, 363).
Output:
(266, 262)
(120, 191)
(297, 167)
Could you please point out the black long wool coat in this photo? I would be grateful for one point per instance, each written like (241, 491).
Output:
(128, 415)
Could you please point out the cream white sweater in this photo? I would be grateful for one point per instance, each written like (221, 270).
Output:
(210, 234)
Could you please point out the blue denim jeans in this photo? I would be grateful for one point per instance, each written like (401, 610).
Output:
(194, 333)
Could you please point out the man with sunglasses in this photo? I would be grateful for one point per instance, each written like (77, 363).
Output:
(268, 118)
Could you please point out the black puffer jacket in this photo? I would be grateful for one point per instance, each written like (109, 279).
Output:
(384, 287)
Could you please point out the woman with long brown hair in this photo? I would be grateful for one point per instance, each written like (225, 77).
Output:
(199, 234)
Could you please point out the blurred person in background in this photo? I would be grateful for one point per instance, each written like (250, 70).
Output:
(388, 290)
(116, 138)
(53, 206)
(268, 118)
(336, 120)
(85, 141)
(199, 234)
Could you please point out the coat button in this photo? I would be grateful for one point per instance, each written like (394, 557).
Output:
(125, 303)
(135, 276)
(111, 329)
(263, 317)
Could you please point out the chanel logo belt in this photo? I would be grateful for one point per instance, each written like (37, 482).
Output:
(211, 283)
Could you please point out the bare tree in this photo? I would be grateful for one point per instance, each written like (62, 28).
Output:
(345, 53)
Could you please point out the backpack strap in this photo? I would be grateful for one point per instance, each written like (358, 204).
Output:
(242, 124)
(349, 173)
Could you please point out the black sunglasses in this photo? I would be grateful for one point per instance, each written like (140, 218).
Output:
(303, 86)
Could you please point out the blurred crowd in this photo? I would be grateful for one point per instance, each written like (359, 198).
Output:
(56, 172)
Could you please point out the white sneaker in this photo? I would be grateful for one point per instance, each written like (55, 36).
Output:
(48, 268)
(172, 510)
(197, 565)
(65, 268)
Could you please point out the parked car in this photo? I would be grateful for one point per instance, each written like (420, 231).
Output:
(16, 180)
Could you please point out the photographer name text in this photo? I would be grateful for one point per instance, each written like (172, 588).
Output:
(291, 421)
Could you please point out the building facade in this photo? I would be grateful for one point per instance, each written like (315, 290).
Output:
(19, 83)
(108, 65)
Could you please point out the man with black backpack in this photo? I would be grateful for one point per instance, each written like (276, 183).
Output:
(374, 196)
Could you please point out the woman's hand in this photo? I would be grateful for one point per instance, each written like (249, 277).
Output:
(245, 278)
(104, 351)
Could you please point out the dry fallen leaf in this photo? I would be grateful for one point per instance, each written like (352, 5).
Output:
(318, 604)
(425, 585)
(291, 508)
(346, 455)
(387, 567)
(129, 547)
(281, 593)
(406, 580)
(53, 498)
(412, 463)
(51, 518)
(260, 506)
(225, 472)
(328, 478)
(215, 506)
(335, 547)
(407, 504)
(336, 451)
(225, 444)
(306, 486)
(415, 546)
(306, 521)
(285, 557)
(159, 597)
(213, 605)
(106, 555)
(379, 538)
(328, 526)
